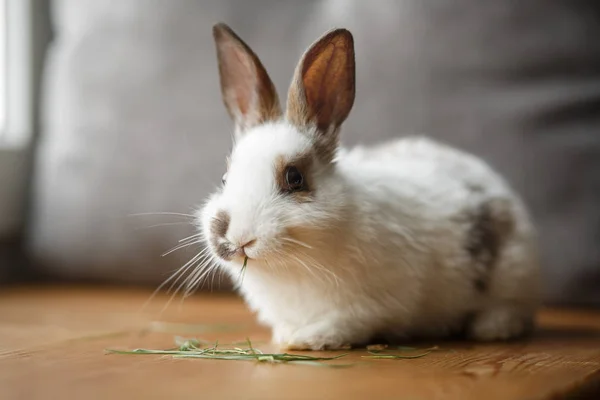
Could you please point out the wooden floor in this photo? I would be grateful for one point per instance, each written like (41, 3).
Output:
(52, 344)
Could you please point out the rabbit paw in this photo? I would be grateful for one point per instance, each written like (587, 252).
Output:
(312, 337)
(502, 323)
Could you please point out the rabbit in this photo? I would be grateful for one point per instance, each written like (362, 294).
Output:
(407, 239)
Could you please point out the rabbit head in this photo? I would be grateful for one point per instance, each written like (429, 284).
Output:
(281, 188)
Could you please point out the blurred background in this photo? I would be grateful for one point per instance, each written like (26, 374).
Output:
(110, 108)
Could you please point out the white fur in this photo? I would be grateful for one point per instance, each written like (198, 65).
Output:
(380, 250)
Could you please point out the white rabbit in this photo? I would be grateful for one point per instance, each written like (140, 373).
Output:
(410, 238)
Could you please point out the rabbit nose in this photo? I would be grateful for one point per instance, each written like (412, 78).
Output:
(249, 243)
(245, 246)
(241, 250)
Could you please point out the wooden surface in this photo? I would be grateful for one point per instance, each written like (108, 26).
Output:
(52, 345)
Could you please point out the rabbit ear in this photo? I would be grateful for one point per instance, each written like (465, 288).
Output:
(247, 90)
(322, 91)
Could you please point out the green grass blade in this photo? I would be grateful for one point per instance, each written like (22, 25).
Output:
(243, 270)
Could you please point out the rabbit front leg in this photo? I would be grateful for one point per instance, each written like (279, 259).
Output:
(326, 334)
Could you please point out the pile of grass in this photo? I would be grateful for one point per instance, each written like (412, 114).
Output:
(199, 349)
(194, 348)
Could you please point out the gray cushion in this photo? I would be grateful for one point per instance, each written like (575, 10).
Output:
(133, 121)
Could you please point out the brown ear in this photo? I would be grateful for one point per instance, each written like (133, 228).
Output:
(322, 91)
(247, 90)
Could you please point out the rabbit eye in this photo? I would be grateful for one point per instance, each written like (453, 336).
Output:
(224, 178)
(294, 179)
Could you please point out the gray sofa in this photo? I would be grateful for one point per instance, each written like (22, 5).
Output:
(132, 121)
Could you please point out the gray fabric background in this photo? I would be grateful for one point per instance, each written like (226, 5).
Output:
(133, 121)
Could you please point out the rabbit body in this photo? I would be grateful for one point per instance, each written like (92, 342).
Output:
(411, 238)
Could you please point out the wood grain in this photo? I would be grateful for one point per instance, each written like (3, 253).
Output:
(52, 343)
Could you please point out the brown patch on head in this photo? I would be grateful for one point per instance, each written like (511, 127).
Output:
(224, 251)
(490, 225)
(304, 164)
(323, 89)
(218, 229)
(248, 93)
